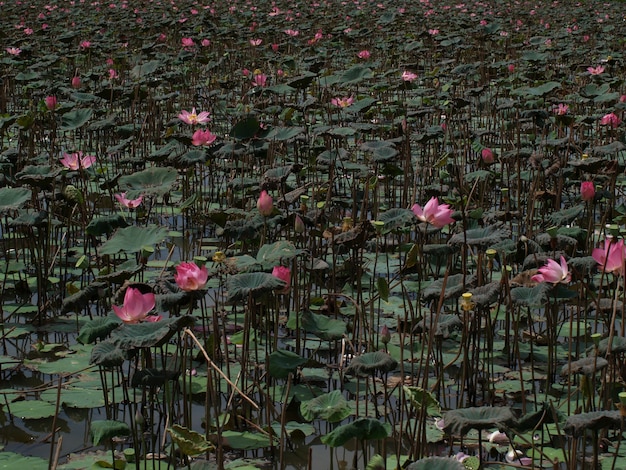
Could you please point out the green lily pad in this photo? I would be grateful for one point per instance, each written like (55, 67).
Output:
(245, 440)
(32, 409)
(361, 429)
(283, 362)
(133, 239)
(332, 407)
(322, 326)
(10, 460)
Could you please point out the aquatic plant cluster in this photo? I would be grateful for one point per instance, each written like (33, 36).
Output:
(312, 233)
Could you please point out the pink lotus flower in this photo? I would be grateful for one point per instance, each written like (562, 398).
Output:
(487, 156)
(260, 80)
(265, 204)
(595, 70)
(611, 120)
(611, 258)
(190, 277)
(85, 44)
(256, 42)
(193, 118)
(136, 306)
(343, 102)
(291, 32)
(76, 81)
(364, 54)
(561, 109)
(113, 74)
(408, 76)
(75, 161)
(205, 42)
(554, 272)
(433, 32)
(128, 203)
(511, 68)
(587, 191)
(188, 42)
(13, 51)
(434, 213)
(284, 274)
(203, 137)
(51, 102)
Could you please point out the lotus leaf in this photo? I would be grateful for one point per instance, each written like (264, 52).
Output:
(143, 70)
(566, 216)
(32, 409)
(618, 345)
(372, 362)
(529, 296)
(442, 323)
(576, 425)
(240, 286)
(481, 237)
(133, 239)
(105, 224)
(13, 460)
(80, 300)
(459, 422)
(396, 219)
(455, 285)
(190, 442)
(423, 400)
(322, 326)
(437, 463)
(108, 354)
(13, 198)
(153, 377)
(97, 328)
(283, 362)
(332, 407)
(271, 254)
(75, 119)
(246, 128)
(104, 430)
(152, 181)
(361, 429)
(149, 334)
(245, 440)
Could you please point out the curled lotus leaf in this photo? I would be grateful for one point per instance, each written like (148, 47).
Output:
(13, 198)
(454, 286)
(437, 463)
(372, 362)
(485, 295)
(332, 406)
(153, 377)
(361, 429)
(155, 181)
(481, 237)
(325, 328)
(618, 345)
(529, 296)
(576, 425)
(190, 442)
(586, 366)
(283, 362)
(149, 334)
(459, 422)
(103, 430)
(133, 239)
(566, 216)
(108, 354)
(441, 323)
(610, 149)
(76, 302)
(240, 286)
(97, 328)
(105, 224)
(396, 219)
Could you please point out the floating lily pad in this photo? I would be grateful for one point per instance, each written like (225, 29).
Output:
(105, 430)
(332, 407)
(32, 409)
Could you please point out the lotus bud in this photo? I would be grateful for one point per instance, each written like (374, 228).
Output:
(385, 335)
(51, 102)
(487, 156)
(298, 224)
(265, 204)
